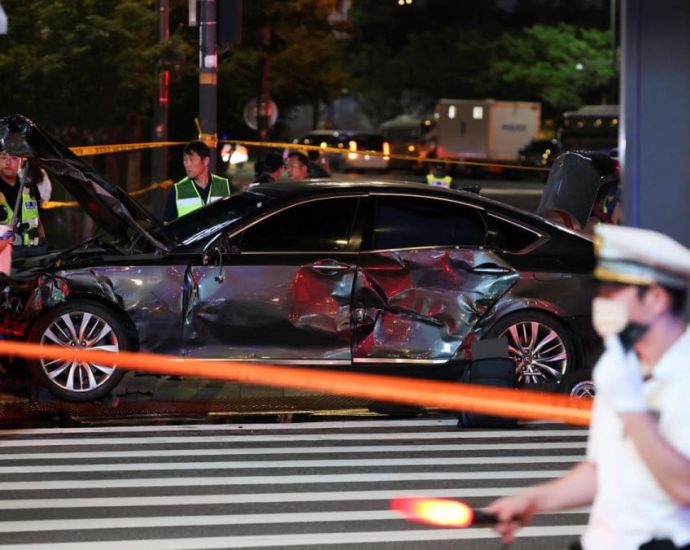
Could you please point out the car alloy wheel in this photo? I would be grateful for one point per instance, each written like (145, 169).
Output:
(84, 325)
(539, 345)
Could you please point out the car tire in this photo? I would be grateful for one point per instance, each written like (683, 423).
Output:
(579, 383)
(540, 345)
(79, 323)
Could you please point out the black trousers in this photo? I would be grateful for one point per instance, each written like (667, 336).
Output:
(654, 544)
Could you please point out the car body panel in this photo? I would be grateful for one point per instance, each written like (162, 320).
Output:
(422, 304)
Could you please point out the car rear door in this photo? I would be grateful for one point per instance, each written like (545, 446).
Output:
(283, 289)
(424, 279)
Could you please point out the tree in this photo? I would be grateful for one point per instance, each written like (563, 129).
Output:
(563, 66)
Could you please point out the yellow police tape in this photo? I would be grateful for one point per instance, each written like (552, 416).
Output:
(344, 151)
(165, 184)
(88, 150)
(510, 403)
(208, 138)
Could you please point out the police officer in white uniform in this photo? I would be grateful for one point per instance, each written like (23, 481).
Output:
(637, 471)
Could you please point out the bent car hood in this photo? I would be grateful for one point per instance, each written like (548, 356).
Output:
(109, 205)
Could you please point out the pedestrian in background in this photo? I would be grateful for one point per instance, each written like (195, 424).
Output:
(637, 469)
(438, 176)
(271, 169)
(297, 166)
(199, 188)
(318, 165)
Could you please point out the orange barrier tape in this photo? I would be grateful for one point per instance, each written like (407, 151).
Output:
(425, 393)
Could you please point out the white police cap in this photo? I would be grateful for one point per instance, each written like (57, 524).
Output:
(635, 256)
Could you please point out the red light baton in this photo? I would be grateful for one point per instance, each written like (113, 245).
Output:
(442, 512)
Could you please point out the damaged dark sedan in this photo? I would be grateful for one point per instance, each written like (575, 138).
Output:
(368, 276)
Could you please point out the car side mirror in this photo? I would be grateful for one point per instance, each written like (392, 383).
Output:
(213, 255)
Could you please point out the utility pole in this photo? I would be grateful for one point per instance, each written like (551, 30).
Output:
(263, 96)
(159, 156)
(208, 76)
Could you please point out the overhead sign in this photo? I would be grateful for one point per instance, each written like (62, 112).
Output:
(3, 21)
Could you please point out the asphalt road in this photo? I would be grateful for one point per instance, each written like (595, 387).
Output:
(305, 486)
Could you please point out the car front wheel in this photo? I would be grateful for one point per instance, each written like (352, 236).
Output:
(86, 325)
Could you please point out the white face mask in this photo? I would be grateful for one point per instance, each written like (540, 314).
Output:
(609, 316)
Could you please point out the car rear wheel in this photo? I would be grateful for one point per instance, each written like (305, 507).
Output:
(579, 384)
(89, 326)
(539, 344)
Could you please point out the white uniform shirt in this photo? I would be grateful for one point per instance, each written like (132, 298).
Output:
(630, 507)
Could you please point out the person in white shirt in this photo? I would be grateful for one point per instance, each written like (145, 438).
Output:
(636, 473)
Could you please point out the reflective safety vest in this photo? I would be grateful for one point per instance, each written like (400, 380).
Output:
(187, 198)
(439, 182)
(28, 237)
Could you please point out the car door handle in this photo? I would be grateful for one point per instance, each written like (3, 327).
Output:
(332, 266)
(491, 269)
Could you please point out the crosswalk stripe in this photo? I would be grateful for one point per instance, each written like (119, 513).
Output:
(251, 498)
(272, 426)
(291, 437)
(275, 480)
(207, 520)
(345, 449)
(276, 464)
(285, 540)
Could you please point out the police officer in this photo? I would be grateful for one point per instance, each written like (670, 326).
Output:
(28, 231)
(438, 176)
(637, 469)
(199, 188)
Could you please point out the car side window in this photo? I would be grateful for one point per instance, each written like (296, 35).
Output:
(323, 225)
(508, 236)
(410, 221)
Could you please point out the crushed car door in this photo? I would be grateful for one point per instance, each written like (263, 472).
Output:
(424, 279)
(282, 287)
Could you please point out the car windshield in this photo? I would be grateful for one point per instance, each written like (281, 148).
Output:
(221, 214)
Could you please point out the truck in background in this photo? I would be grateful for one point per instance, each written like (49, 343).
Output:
(483, 130)
(590, 128)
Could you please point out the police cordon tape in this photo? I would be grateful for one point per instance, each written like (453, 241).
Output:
(89, 150)
(511, 403)
(165, 184)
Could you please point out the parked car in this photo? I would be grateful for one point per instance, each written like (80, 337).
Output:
(369, 276)
(357, 149)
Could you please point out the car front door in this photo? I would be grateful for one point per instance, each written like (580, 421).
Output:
(424, 279)
(280, 289)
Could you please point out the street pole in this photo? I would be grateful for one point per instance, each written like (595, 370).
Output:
(159, 157)
(614, 80)
(208, 76)
(262, 105)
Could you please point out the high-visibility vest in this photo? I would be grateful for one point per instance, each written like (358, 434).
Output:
(187, 198)
(439, 182)
(29, 217)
